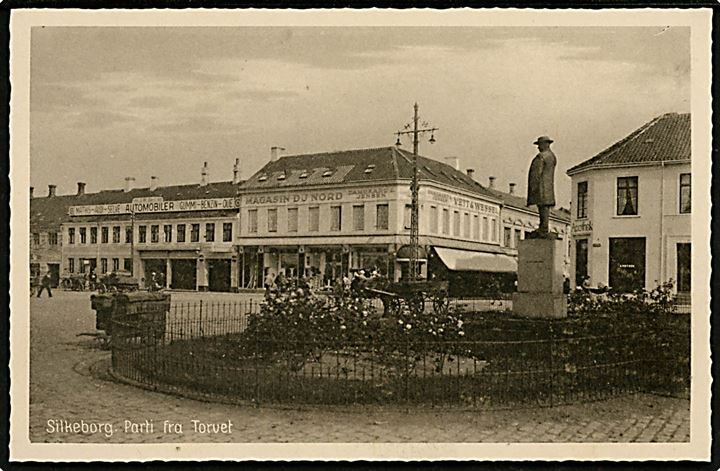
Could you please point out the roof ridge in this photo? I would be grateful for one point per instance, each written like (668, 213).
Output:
(347, 151)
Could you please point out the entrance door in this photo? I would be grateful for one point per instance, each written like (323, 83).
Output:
(683, 268)
(627, 263)
(54, 269)
(218, 275)
(184, 273)
(581, 261)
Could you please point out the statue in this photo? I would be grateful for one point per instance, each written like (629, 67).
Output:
(541, 185)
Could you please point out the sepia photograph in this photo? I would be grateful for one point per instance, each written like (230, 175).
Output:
(371, 234)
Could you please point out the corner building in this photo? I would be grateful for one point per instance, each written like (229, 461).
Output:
(322, 215)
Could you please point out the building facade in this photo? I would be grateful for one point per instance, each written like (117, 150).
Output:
(46, 216)
(631, 214)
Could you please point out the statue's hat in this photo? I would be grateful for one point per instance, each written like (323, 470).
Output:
(543, 139)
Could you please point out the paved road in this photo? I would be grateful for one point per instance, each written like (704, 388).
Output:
(68, 383)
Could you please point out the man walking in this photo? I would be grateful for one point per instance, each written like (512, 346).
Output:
(45, 285)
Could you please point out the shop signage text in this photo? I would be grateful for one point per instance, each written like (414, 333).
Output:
(462, 202)
(580, 227)
(318, 197)
(155, 205)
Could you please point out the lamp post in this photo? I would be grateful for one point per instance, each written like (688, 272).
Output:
(415, 206)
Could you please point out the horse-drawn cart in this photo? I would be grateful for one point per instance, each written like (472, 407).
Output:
(413, 294)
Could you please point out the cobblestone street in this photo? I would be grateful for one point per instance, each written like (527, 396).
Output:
(69, 383)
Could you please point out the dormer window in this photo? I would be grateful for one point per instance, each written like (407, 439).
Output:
(281, 177)
(304, 174)
(262, 178)
(370, 168)
(327, 173)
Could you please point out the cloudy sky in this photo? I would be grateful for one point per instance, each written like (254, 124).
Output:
(110, 102)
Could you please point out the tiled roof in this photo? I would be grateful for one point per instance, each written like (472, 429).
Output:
(50, 211)
(519, 202)
(357, 166)
(665, 138)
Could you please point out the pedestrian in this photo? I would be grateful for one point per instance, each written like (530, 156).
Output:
(269, 282)
(45, 285)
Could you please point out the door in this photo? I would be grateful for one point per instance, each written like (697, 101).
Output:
(219, 275)
(581, 261)
(627, 263)
(683, 268)
(54, 269)
(184, 273)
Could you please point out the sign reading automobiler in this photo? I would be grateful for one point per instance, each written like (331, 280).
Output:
(155, 205)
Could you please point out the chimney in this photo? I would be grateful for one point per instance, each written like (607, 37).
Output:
(275, 152)
(81, 188)
(32, 189)
(471, 173)
(236, 172)
(153, 183)
(491, 182)
(453, 161)
(51, 190)
(204, 174)
(129, 183)
(512, 188)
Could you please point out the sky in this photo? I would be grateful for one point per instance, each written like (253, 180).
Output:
(111, 102)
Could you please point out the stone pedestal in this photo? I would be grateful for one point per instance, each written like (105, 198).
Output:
(540, 279)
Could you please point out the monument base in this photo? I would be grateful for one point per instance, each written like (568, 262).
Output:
(546, 305)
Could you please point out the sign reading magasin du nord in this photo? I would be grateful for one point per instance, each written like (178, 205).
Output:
(155, 205)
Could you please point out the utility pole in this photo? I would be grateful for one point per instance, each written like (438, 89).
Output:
(132, 239)
(414, 188)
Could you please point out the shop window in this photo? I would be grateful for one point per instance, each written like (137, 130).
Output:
(167, 232)
(36, 238)
(456, 223)
(485, 231)
(104, 235)
(252, 221)
(71, 235)
(127, 264)
(335, 218)
(116, 264)
(382, 217)
(518, 235)
(581, 261)
(210, 232)
(466, 225)
(407, 216)
(433, 219)
(52, 238)
(627, 196)
(83, 235)
(93, 235)
(493, 229)
(227, 232)
(71, 265)
(154, 234)
(128, 235)
(476, 226)
(314, 219)
(103, 265)
(292, 214)
(446, 221)
(359, 217)
(272, 220)
(582, 195)
(180, 232)
(507, 237)
(685, 193)
(195, 233)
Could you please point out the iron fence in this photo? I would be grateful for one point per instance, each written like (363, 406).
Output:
(206, 348)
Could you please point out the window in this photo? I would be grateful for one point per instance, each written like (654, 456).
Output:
(142, 234)
(93, 235)
(627, 196)
(116, 264)
(103, 265)
(456, 223)
(433, 219)
(446, 221)
(382, 216)
(292, 215)
(493, 230)
(180, 232)
(83, 235)
(128, 234)
(154, 234)
(195, 233)
(335, 218)
(127, 264)
(314, 219)
(52, 238)
(582, 194)
(227, 232)
(685, 198)
(359, 217)
(104, 231)
(272, 220)
(485, 231)
(71, 265)
(116, 234)
(476, 226)
(407, 216)
(167, 232)
(507, 237)
(252, 221)
(210, 232)
(71, 235)
(466, 225)
(36, 238)
(518, 235)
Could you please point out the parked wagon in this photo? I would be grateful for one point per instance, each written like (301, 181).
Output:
(74, 282)
(118, 281)
(413, 294)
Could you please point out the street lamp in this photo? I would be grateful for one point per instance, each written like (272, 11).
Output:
(415, 206)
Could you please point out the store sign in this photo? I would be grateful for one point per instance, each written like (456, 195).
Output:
(582, 227)
(286, 198)
(155, 205)
(460, 202)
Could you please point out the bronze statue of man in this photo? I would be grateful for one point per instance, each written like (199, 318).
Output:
(541, 184)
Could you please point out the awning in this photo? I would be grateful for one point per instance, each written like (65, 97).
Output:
(465, 260)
